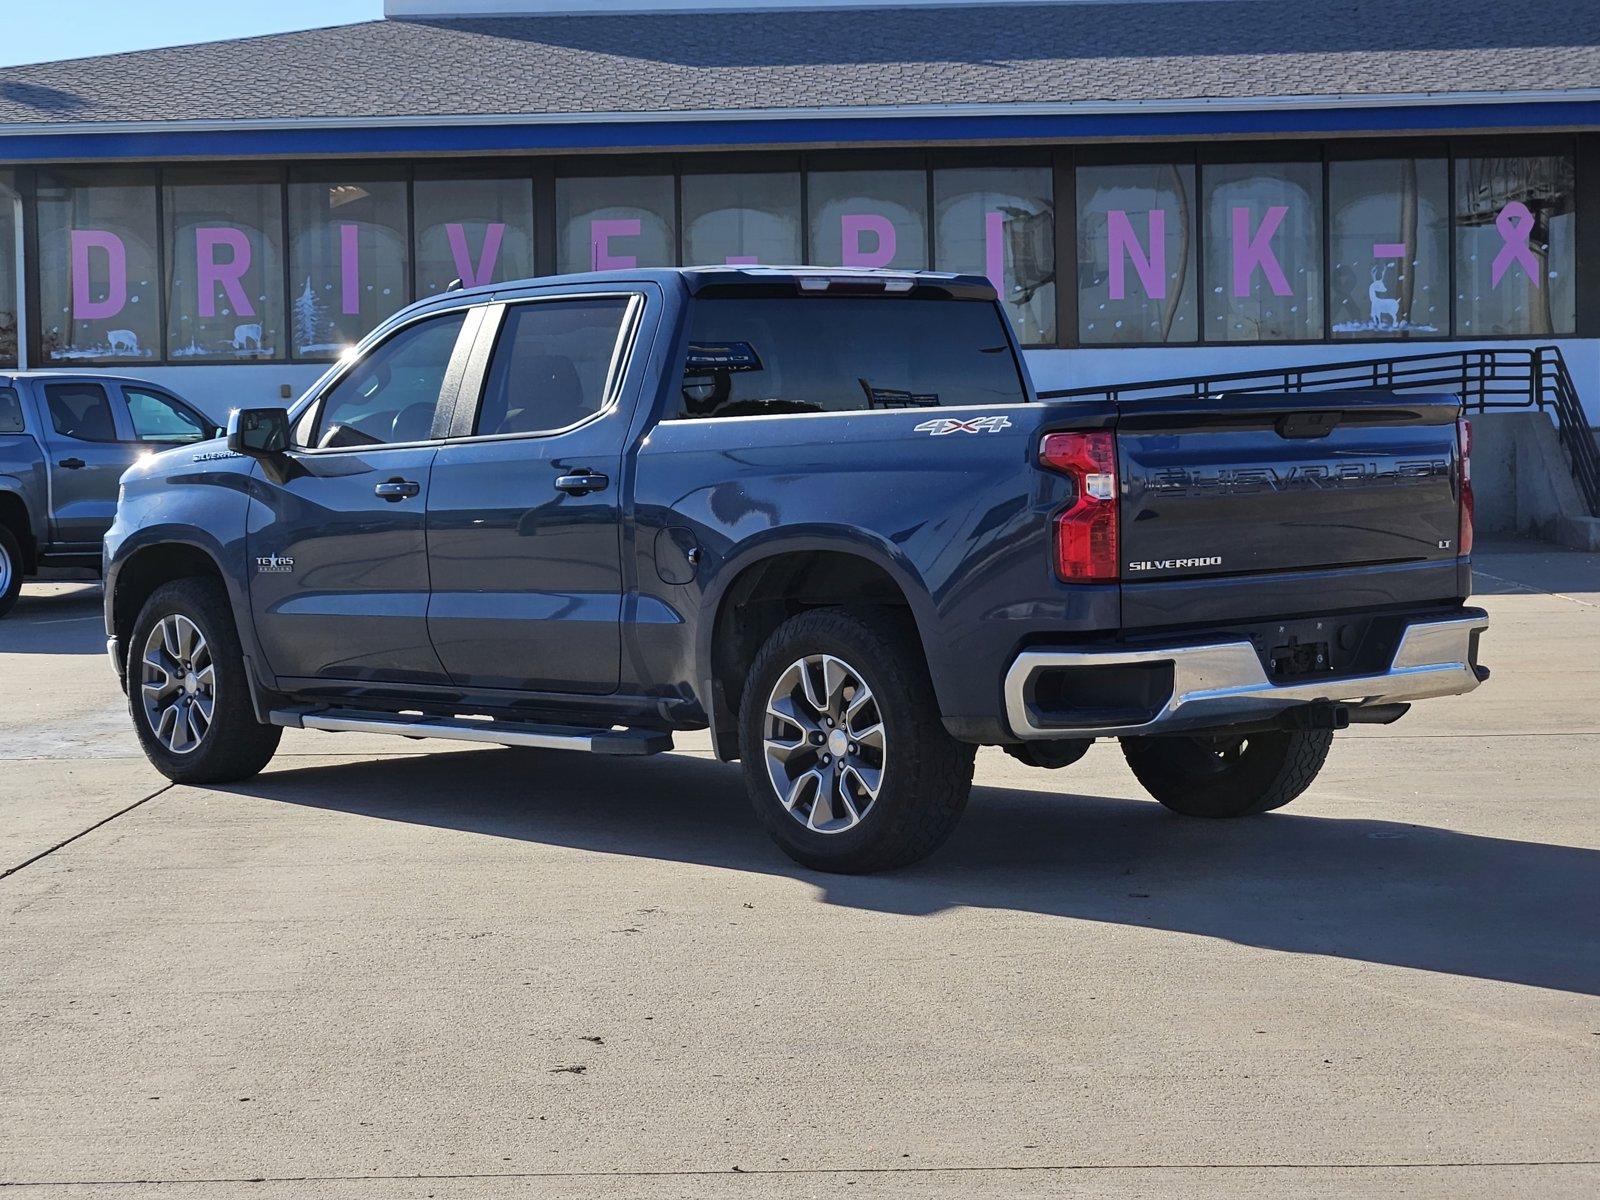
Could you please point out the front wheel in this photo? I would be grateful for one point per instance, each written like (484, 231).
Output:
(1228, 776)
(188, 691)
(10, 570)
(847, 762)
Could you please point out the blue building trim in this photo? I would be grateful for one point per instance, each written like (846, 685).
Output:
(445, 138)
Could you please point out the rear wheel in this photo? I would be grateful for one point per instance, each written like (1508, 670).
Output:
(1228, 776)
(10, 570)
(847, 762)
(188, 690)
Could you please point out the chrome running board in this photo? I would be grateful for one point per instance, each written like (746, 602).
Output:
(468, 729)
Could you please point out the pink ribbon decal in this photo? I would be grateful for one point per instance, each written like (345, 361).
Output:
(1125, 248)
(994, 250)
(210, 274)
(600, 235)
(1255, 250)
(475, 276)
(84, 308)
(1515, 224)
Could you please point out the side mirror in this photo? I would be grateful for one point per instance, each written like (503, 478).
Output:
(258, 432)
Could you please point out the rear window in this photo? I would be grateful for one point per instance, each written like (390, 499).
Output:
(755, 357)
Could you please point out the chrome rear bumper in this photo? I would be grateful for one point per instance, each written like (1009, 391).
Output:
(1222, 683)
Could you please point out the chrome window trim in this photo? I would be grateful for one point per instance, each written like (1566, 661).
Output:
(621, 360)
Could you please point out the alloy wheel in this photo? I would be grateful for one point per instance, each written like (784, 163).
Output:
(825, 747)
(178, 683)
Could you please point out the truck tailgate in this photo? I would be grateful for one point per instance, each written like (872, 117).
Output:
(1254, 484)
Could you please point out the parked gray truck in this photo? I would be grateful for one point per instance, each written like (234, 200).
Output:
(65, 441)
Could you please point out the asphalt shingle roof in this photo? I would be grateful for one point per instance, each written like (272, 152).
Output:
(1163, 51)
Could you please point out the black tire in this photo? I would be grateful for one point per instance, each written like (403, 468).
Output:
(234, 745)
(1237, 776)
(10, 570)
(926, 775)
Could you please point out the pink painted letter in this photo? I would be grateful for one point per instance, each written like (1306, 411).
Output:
(84, 307)
(852, 227)
(209, 272)
(484, 272)
(994, 250)
(349, 269)
(1255, 250)
(600, 235)
(1124, 247)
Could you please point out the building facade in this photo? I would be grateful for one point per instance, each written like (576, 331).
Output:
(1156, 187)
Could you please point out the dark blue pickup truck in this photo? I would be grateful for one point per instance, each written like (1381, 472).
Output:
(821, 513)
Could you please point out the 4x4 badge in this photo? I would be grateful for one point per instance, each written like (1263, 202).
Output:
(940, 426)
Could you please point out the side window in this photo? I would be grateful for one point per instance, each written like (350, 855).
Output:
(552, 362)
(160, 418)
(391, 394)
(81, 411)
(10, 411)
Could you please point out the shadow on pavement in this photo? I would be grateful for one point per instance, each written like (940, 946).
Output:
(55, 619)
(1372, 891)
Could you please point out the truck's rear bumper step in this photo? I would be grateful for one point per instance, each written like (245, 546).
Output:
(464, 729)
(1113, 692)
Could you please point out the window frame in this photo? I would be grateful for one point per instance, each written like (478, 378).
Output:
(469, 399)
(449, 389)
(121, 425)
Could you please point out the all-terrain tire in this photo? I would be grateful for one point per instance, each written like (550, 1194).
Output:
(925, 775)
(234, 745)
(10, 570)
(1237, 776)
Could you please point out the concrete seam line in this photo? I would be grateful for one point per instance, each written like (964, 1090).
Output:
(10, 871)
(919, 1170)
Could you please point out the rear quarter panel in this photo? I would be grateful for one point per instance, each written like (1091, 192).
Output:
(958, 520)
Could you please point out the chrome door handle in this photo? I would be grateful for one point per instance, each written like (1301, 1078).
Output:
(582, 483)
(72, 464)
(397, 489)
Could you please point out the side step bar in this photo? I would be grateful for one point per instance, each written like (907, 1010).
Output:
(463, 729)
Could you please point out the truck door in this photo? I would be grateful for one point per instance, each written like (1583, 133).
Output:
(524, 515)
(90, 447)
(337, 551)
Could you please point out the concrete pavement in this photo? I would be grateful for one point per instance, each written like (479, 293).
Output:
(397, 969)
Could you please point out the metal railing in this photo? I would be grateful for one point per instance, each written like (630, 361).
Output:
(1484, 379)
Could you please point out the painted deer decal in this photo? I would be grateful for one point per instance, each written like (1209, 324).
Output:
(1383, 305)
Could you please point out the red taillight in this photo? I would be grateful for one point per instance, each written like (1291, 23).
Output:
(1086, 531)
(1464, 540)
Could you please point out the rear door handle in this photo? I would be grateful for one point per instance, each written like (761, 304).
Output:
(397, 489)
(72, 464)
(582, 483)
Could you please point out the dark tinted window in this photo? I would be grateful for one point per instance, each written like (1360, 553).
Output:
(10, 411)
(551, 365)
(391, 394)
(81, 410)
(160, 418)
(827, 354)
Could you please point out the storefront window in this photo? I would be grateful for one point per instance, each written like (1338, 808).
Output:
(1263, 252)
(1390, 245)
(615, 222)
(476, 230)
(1136, 254)
(1001, 223)
(99, 293)
(224, 266)
(348, 261)
(1514, 246)
(741, 219)
(8, 277)
(869, 219)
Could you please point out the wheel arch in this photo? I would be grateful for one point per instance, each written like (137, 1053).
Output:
(15, 517)
(764, 588)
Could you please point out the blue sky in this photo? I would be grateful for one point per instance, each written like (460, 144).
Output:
(39, 30)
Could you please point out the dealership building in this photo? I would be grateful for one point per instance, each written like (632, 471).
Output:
(1157, 188)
